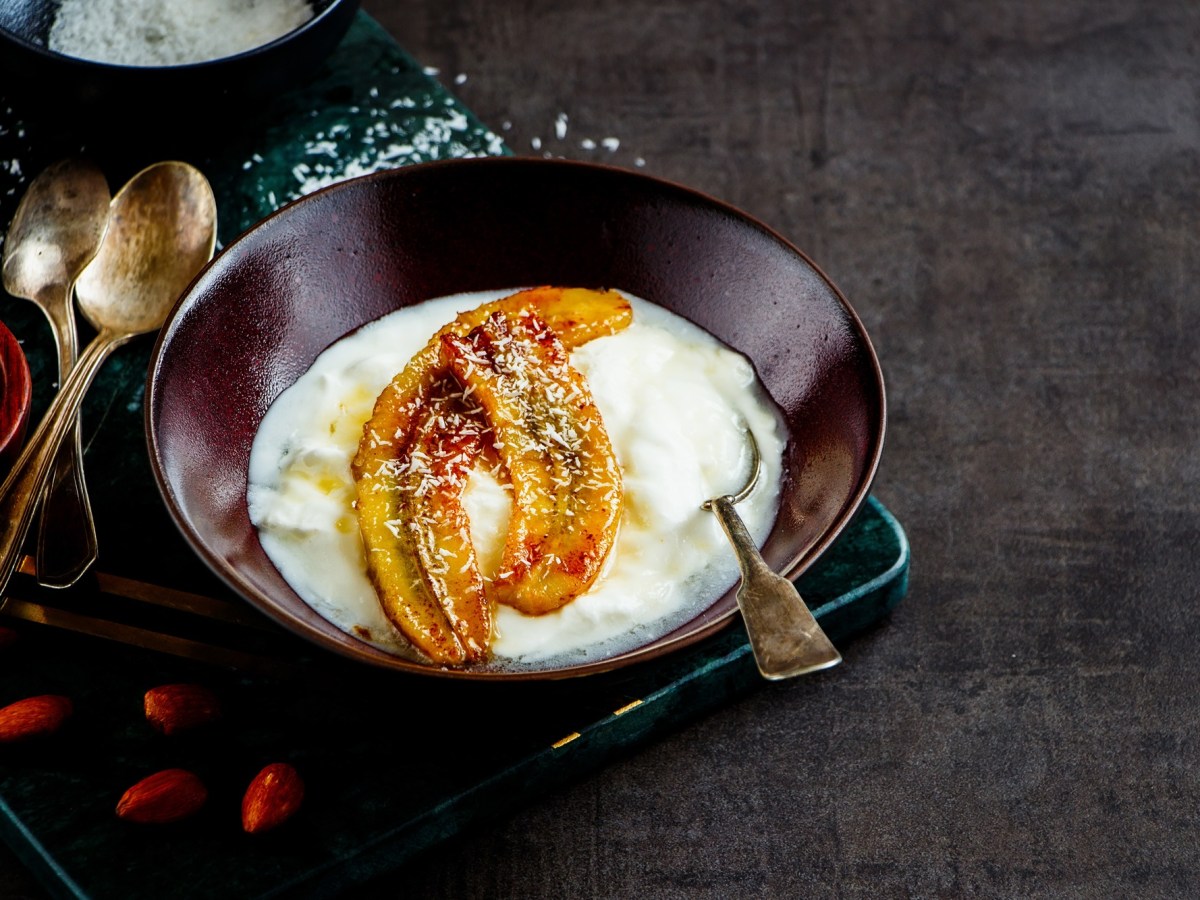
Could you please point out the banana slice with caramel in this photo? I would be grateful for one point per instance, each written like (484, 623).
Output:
(404, 531)
(567, 490)
(576, 315)
(448, 441)
(421, 559)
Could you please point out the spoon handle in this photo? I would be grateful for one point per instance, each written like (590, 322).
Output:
(25, 483)
(66, 541)
(784, 636)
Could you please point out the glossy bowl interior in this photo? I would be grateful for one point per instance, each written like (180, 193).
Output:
(16, 392)
(270, 302)
(158, 95)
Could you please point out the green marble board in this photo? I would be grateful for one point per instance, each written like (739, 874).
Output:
(380, 789)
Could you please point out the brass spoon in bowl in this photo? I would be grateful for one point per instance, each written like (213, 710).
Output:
(55, 233)
(161, 232)
(784, 636)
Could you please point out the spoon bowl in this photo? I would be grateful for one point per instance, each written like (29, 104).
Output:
(162, 231)
(55, 233)
(160, 234)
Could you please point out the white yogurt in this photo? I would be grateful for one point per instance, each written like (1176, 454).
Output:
(674, 402)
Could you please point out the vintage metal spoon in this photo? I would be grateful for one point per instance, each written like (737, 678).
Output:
(55, 233)
(784, 636)
(161, 232)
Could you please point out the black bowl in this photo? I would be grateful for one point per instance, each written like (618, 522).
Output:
(79, 89)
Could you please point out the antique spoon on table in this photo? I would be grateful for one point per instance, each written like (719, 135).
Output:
(55, 233)
(161, 232)
(784, 636)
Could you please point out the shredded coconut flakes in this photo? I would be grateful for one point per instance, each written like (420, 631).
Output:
(167, 33)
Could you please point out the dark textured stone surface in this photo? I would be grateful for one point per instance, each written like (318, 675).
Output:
(1008, 194)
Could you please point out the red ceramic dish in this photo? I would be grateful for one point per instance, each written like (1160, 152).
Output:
(16, 391)
(261, 312)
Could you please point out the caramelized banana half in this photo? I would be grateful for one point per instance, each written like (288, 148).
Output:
(421, 559)
(576, 315)
(567, 490)
(406, 530)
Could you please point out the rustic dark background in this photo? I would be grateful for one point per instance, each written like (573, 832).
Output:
(1008, 193)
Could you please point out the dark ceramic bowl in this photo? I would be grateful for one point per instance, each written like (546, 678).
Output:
(69, 87)
(16, 392)
(257, 317)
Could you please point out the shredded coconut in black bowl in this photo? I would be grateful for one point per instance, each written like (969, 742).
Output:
(115, 60)
(162, 33)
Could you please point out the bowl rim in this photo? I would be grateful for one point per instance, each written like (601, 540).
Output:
(16, 381)
(54, 57)
(800, 562)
